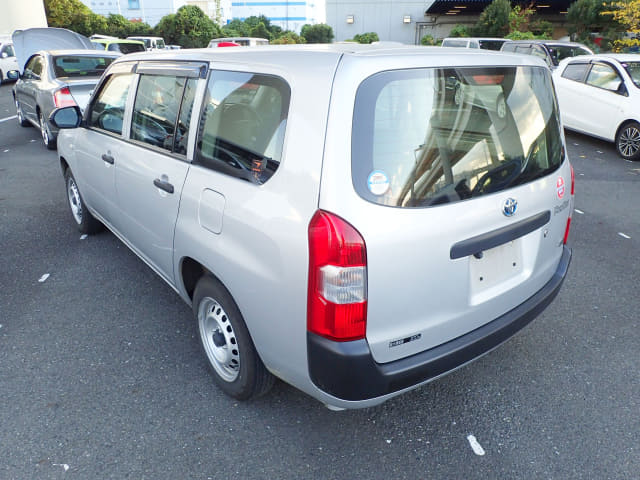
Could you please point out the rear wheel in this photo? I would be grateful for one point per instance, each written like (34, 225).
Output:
(628, 141)
(45, 131)
(86, 222)
(234, 361)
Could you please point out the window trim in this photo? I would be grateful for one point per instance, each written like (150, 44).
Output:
(126, 118)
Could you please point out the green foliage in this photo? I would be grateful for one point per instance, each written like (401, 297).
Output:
(319, 33)
(189, 27)
(428, 40)
(368, 37)
(259, 31)
(585, 16)
(626, 14)
(517, 35)
(494, 20)
(459, 31)
(236, 28)
(288, 38)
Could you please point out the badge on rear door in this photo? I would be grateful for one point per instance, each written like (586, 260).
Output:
(509, 207)
(402, 341)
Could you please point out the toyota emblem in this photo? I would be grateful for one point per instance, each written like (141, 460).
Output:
(509, 207)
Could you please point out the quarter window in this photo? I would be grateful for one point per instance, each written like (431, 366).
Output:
(243, 125)
(107, 111)
(604, 76)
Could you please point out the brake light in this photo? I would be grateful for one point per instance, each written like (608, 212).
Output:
(337, 291)
(63, 98)
(573, 189)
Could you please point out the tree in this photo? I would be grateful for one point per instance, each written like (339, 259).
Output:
(259, 31)
(288, 38)
(585, 16)
(62, 13)
(494, 20)
(368, 37)
(459, 31)
(320, 33)
(428, 40)
(626, 14)
(189, 27)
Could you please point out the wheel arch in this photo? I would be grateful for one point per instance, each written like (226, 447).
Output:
(623, 124)
(64, 165)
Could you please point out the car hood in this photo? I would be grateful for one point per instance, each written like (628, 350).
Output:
(32, 40)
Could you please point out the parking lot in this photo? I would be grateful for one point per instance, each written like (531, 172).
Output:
(101, 374)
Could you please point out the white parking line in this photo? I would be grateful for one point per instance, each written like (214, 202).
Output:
(578, 211)
(624, 235)
(7, 119)
(475, 445)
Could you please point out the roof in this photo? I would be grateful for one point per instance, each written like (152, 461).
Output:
(454, 7)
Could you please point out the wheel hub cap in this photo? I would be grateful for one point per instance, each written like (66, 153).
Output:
(219, 339)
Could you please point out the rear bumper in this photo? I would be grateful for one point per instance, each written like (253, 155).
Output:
(347, 370)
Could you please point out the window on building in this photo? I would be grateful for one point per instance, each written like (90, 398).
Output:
(134, 4)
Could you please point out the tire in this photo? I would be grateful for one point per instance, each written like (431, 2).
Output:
(47, 138)
(87, 223)
(227, 345)
(628, 141)
(22, 121)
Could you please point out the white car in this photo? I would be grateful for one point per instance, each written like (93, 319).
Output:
(599, 95)
(8, 60)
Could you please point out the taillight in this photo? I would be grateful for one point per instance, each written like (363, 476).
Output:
(573, 189)
(337, 293)
(63, 98)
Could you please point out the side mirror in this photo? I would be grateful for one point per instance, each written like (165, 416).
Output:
(13, 74)
(66, 117)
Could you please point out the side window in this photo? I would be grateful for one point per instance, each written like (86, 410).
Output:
(156, 109)
(575, 71)
(8, 50)
(33, 68)
(524, 49)
(604, 76)
(107, 110)
(243, 124)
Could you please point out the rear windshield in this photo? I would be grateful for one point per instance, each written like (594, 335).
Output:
(426, 137)
(560, 52)
(491, 44)
(80, 66)
(126, 47)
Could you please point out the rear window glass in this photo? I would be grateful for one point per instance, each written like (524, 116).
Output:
(491, 44)
(426, 137)
(80, 66)
(126, 47)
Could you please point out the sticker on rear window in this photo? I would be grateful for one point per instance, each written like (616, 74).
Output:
(378, 182)
(560, 187)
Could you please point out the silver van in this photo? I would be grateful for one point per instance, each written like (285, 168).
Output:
(334, 217)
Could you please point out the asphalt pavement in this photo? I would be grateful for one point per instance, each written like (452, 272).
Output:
(101, 376)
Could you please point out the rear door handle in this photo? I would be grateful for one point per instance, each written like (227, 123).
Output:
(163, 185)
(107, 158)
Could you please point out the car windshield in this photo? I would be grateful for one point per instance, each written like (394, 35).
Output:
(560, 52)
(80, 65)
(425, 137)
(633, 69)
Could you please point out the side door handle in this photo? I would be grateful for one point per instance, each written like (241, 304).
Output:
(107, 158)
(163, 185)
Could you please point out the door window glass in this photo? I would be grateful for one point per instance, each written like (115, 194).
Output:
(34, 67)
(575, 71)
(243, 125)
(107, 111)
(604, 76)
(155, 110)
(184, 119)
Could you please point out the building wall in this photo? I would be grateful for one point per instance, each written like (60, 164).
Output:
(287, 14)
(386, 18)
(149, 11)
(22, 14)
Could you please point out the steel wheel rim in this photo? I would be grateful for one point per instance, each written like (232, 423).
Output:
(629, 141)
(74, 200)
(215, 328)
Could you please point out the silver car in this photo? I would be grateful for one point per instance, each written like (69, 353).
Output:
(331, 214)
(53, 79)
